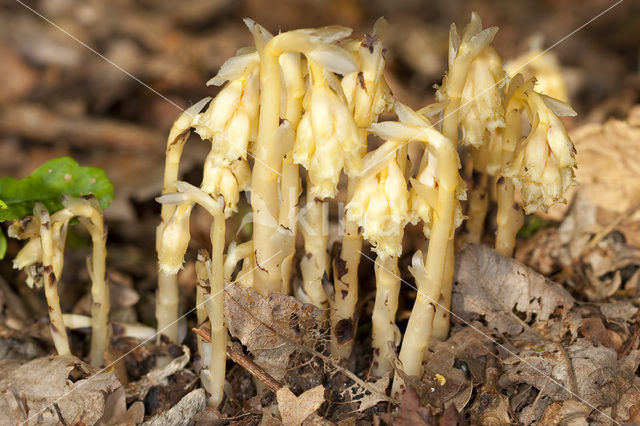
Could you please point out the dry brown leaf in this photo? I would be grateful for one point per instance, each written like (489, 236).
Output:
(116, 412)
(274, 328)
(158, 376)
(270, 328)
(627, 409)
(609, 159)
(616, 311)
(53, 390)
(295, 409)
(442, 383)
(411, 412)
(181, 413)
(569, 412)
(582, 370)
(490, 286)
(594, 330)
(371, 395)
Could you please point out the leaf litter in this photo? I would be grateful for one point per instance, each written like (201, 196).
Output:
(593, 332)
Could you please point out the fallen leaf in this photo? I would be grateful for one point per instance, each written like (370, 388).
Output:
(618, 310)
(270, 328)
(369, 396)
(116, 412)
(295, 409)
(158, 376)
(492, 287)
(594, 330)
(609, 159)
(181, 413)
(53, 390)
(569, 412)
(411, 412)
(592, 373)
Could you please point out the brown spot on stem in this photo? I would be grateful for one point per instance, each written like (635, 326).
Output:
(50, 308)
(181, 138)
(376, 351)
(361, 81)
(54, 328)
(516, 207)
(255, 254)
(344, 293)
(344, 331)
(340, 266)
(500, 180)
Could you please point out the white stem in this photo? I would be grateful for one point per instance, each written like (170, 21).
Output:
(383, 318)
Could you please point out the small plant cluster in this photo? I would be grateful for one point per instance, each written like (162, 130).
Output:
(296, 113)
(41, 207)
(312, 98)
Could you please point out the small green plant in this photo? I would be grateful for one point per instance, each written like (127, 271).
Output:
(41, 207)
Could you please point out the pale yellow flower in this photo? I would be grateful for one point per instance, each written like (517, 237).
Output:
(327, 138)
(543, 161)
(175, 240)
(481, 111)
(380, 206)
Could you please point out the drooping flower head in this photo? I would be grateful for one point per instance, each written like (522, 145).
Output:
(327, 138)
(230, 123)
(481, 104)
(366, 90)
(434, 175)
(380, 205)
(543, 161)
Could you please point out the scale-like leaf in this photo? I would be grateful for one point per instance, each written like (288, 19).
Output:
(57, 177)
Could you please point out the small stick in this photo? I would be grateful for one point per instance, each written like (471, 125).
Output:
(235, 353)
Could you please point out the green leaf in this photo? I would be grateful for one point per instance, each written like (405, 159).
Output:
(3, 244)
(57, 177)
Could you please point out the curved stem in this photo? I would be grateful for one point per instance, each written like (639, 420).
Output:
(58, 330)
(168, 292)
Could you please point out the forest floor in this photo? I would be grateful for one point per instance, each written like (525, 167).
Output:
(550, 337)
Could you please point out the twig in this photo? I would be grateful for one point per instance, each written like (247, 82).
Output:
(365, 385)
(608, 228)
(235, 353)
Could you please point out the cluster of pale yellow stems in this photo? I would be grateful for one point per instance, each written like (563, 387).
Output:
(311, 97)
(45, 249)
